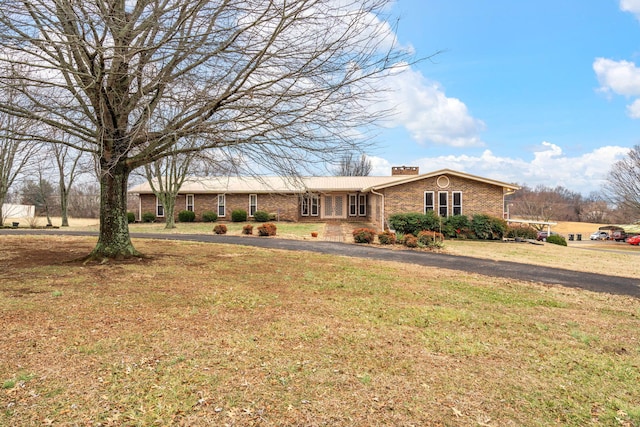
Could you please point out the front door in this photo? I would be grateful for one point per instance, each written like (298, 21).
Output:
(334, 206)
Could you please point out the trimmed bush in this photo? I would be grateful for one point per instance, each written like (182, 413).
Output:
(186, 216)
(148, 217)
(557, 239)
(131, 217)
(209, 216)
(486, 227)
(364, 235)
(267, 229)
(220, 229)
(521, 231)
(428, 238)
(261, 216)
(413, 223)
(247, 229)
(239, 215)
(387, 238)
(455, 226)
(410, 241)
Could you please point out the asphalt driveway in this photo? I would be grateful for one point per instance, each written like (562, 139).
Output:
(511, 270)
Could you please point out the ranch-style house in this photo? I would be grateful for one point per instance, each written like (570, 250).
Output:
(371, 199)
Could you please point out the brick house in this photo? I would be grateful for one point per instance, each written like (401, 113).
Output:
(369, 199)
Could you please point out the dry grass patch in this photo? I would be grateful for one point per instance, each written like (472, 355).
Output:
(205, 334)
(611, 258)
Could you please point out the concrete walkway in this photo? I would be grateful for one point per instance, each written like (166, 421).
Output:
(334, 232)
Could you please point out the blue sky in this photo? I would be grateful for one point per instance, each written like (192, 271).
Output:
(528, 92)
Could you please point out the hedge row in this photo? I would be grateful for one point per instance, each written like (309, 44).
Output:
(480, 226)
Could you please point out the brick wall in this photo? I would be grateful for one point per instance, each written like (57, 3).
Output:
(285, 206)
(477, 197)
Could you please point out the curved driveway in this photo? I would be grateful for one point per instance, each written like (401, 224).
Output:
(512, 270)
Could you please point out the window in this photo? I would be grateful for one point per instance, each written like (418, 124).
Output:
(221, 205)
(253, 204)
(428, 201)
(159, 208)
(443, 208)
(190, 202)
(310, 205)
(457, 203)
(362, 205)
(353, 204)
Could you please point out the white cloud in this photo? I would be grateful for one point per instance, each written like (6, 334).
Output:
(620, 77)
(633, 109)
(549, 166)
(422, 107)
(632, 6)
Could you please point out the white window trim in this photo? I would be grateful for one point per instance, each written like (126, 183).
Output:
(353, 204)
(314, 205)
(362, 205)
(433, 200)
(446, 193)
(193, 202)
(222, 197)
(313, 209)
(453, 205)
(251, 214)
(159, 205)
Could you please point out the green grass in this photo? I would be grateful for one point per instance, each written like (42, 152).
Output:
(209, 334)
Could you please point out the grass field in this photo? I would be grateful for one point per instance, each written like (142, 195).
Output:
(207, 334)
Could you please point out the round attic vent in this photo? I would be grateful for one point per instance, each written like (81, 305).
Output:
(443, 181)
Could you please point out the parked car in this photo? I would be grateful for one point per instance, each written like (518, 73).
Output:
(542, 235)
(635, 240)
(599, 235)
(619, 236)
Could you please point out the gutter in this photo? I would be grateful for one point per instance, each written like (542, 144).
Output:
(382, 207)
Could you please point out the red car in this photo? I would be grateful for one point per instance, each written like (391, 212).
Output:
(635, 240)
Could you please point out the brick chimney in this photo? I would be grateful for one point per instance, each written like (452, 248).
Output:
(405, 170)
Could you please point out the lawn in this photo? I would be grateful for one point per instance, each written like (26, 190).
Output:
(206, 334)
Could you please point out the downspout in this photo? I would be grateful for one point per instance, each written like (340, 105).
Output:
(381, 208)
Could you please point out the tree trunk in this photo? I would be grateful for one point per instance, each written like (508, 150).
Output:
(64, 206)
(169, 203)
(114, 241)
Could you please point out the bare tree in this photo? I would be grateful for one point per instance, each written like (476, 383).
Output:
(546, 204)
(15, 152)
(349, 166)
(623, 185)
(166, 176)
(69, 165)
(41, 194)
(279, 82)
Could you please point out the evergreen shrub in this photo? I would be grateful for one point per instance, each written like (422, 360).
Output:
(557, 239)
(239, 215)
(209, 216)
(261, 216)
(414, 222)
(148, 217)
(186, 216)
